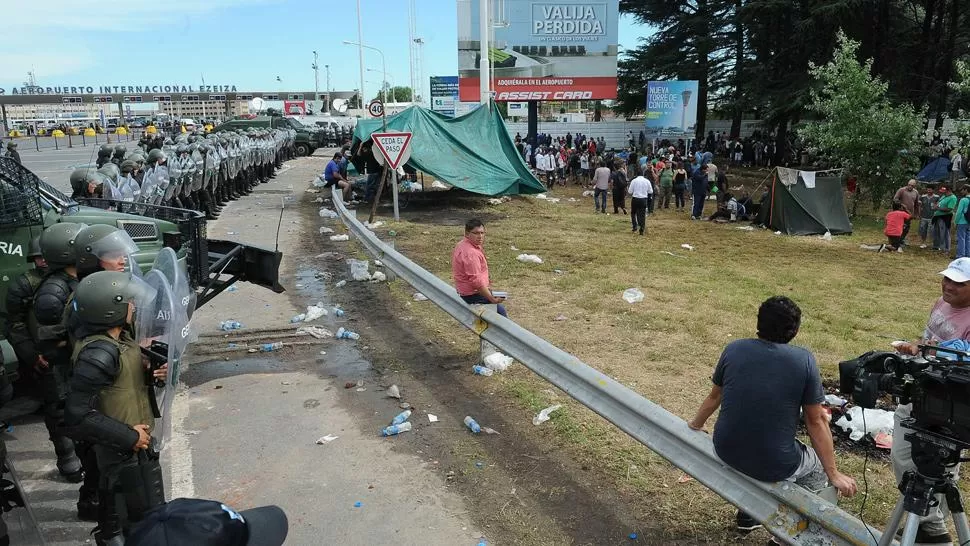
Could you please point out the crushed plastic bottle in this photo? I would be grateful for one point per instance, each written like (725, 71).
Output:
(482, 370)
(343, 333)
(401, 417)
(229, 325)
(270, 347)
(341, 283)
(396, 429)
(472, 424)
(338, 312)
(298, 318)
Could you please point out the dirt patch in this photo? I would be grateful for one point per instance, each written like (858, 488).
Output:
(522, 487)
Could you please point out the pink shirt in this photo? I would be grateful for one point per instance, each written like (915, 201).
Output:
(469, 268)
(947, 323)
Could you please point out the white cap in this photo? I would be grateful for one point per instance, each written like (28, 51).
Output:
(958, 270)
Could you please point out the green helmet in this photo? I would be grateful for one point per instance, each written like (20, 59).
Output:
(102, 242)
(110, 170)
(12, 145)
(57, 244)
(138, 158)
(80, 176)
(127, 166)
(33, 251)
(156, 155)
(105, 150)
(120, 150)
(102, 298)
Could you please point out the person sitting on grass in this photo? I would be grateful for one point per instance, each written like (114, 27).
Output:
(761, 386)
(727, 210)
(895, 223)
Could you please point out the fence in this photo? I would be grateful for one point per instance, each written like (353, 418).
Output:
(787, 510)
(39, 143)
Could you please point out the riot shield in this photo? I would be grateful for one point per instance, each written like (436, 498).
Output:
(129, 188)
(148, 186)
(199, 170)
(109, 190)
(163, 180)
(167, 262)
(175, 177)
(163, 335)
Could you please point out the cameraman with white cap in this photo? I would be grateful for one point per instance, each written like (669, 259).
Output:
(949, 319)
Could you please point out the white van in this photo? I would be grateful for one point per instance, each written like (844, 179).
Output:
(189, 123)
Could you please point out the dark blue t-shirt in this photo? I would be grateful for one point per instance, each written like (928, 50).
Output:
(331, 172)
(764, 385)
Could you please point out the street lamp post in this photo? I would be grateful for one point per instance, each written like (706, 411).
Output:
(327, 66)
(393, 92)
(316, 79)
(383, 69)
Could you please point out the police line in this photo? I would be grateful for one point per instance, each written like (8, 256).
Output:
(790, 512)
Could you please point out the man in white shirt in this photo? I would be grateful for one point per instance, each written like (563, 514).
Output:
(639, 189)
(540, 165)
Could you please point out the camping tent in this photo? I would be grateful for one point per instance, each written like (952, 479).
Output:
(805, 203)
(935, 171)
(473, 152)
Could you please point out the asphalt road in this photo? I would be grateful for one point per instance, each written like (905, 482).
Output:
(55, 166)
(245, 426)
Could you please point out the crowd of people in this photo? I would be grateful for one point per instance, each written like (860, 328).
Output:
(941, 212)
(668, 176)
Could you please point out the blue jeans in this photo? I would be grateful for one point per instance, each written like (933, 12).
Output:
(963, 240)
(698, 205)
(941, 233)
(480, 299)
(597, 194)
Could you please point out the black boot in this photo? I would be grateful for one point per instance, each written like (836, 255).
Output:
(109, 529)
(88, 505)
(68, 463)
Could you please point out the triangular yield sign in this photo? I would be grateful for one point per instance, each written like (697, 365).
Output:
(393, 146)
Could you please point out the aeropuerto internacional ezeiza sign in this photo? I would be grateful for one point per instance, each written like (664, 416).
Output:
(126, 88)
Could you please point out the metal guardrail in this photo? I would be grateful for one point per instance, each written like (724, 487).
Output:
(790, 512)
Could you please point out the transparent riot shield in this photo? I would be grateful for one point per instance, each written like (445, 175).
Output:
(168, 263)
(163, 180)
(163, 332)
(175, 177)
(110, 190)
(149, 187)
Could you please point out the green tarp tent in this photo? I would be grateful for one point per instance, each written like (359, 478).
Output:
(805, 203)
(473, 152)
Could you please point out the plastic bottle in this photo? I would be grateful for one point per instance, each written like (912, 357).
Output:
(401, 417)
(341, 283)
(396, 429)
(482, 370)
(228, 325)
(270, 347)
(338, 312)
(343, 333)
(472, 425)
(298, 318)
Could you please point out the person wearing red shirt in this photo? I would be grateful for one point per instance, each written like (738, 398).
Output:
(895, 224)
(469, 268)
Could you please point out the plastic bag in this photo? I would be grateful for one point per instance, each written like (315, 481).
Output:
(633, 295)
(343, 237)
(327, 213)
(418, 296)
(877, 421)
(314, 331)
(325, 230)
(498, 362)
(378, 277)
(358, 269)
(313, 312)
(529, 258)
(543, 415)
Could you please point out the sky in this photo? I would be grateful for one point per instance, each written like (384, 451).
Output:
(246, 43)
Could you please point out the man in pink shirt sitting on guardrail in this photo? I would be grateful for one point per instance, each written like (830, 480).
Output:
(469, 268)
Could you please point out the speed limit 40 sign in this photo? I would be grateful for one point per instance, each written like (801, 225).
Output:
(395, 147)
(376, 108)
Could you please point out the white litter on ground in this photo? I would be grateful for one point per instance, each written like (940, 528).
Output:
(633, 295)
(529, 258)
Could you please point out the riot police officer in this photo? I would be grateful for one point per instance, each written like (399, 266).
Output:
(104, 155)
(119, 154)
(109, 404)
(57, 248)
(20, 298)
(12, 152)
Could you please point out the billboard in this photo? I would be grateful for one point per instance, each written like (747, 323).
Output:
(563, 50)
(444, 94)
(671, 109)
(294, 108)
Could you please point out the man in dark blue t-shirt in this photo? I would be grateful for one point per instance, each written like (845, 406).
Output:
(760, 385)
(333, 176)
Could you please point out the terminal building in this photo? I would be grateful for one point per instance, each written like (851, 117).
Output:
(38, 108)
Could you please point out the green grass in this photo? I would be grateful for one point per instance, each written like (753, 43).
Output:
(666, 347)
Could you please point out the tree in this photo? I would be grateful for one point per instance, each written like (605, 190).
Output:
(395, 94)
(861, 129)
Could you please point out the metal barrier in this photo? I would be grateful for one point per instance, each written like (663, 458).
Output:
(790, 512)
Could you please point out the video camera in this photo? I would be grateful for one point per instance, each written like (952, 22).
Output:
(938, 388)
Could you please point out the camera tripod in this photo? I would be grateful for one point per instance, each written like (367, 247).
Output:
(932, 454)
